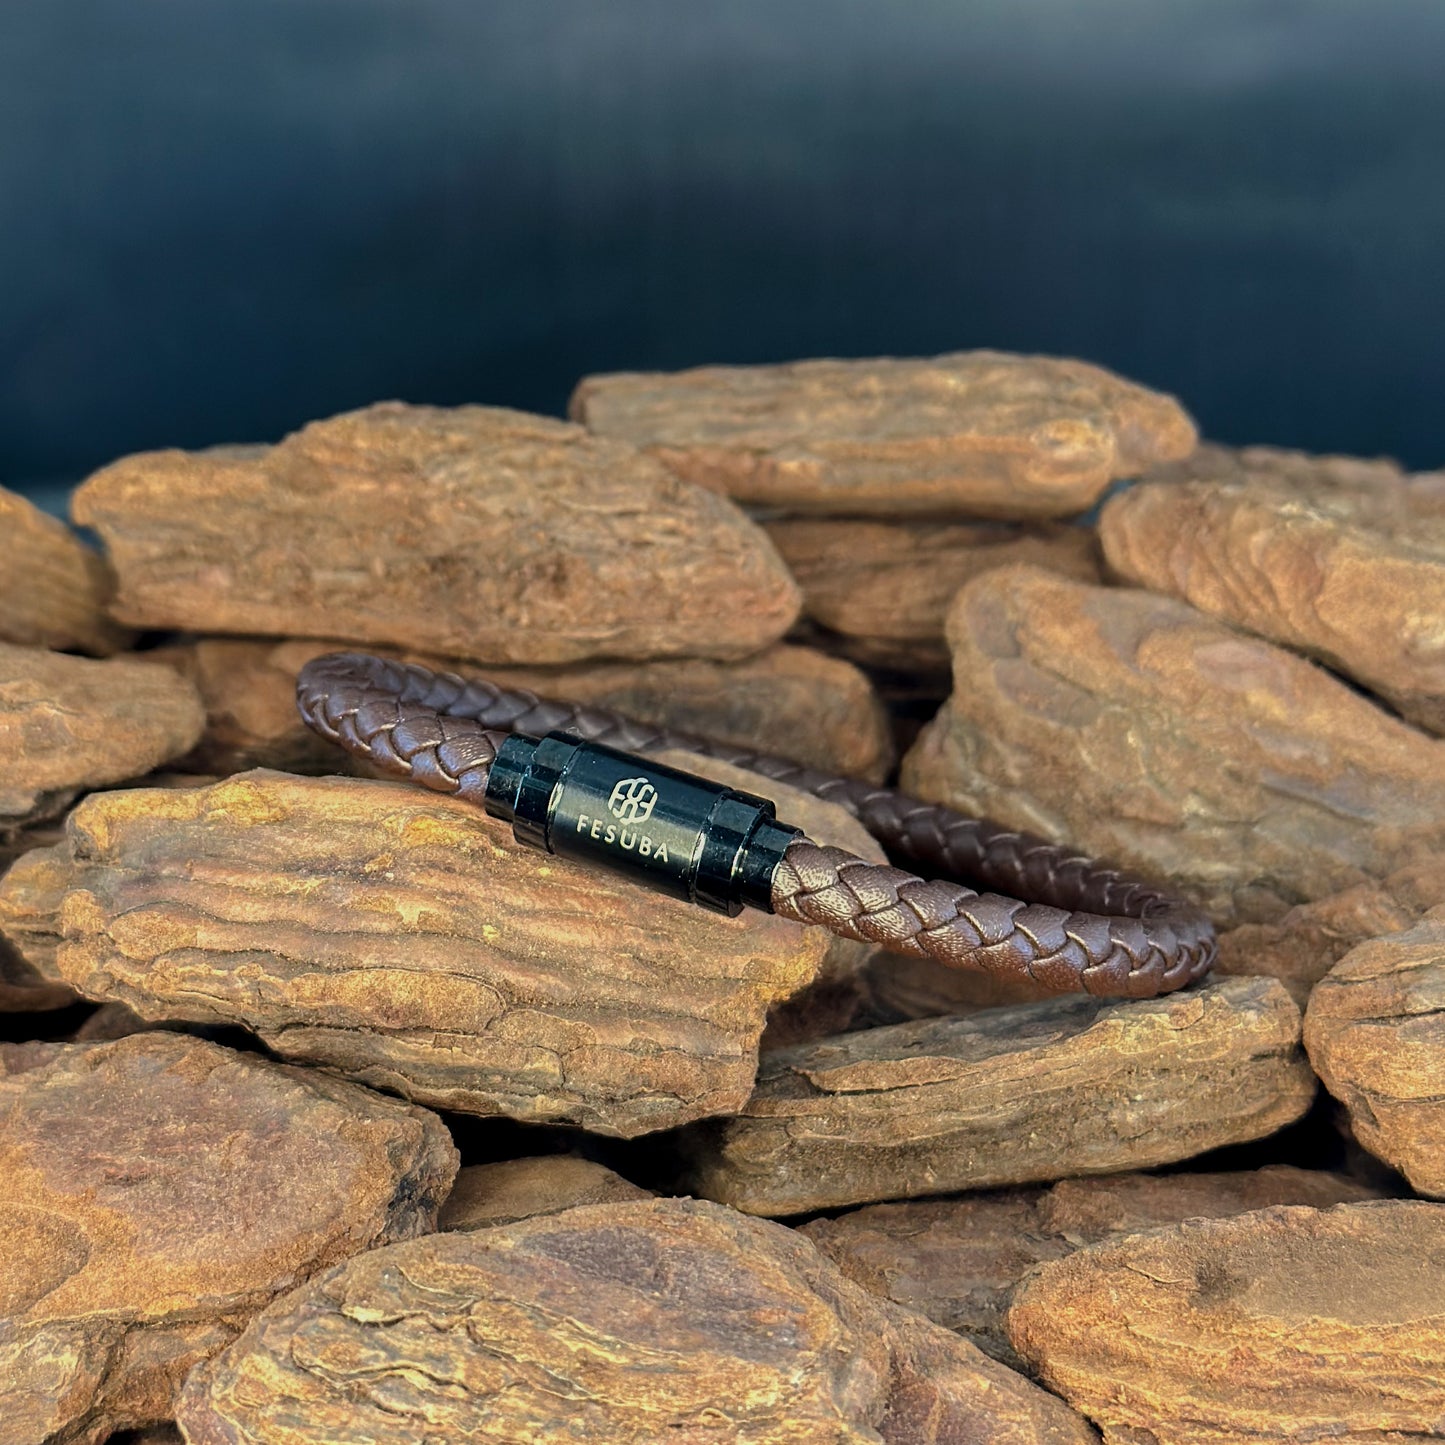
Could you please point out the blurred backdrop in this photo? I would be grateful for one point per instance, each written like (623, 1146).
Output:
(223, 219)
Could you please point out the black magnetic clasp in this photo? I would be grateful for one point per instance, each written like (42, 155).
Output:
(673, 831)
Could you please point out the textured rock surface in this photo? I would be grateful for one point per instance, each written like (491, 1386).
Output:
(885, 587)
(1375, 1031)
(1136, 728)
(977, 432)
(471, 532)
(489, 1194)
(53, 588)
(1311, 938)
(404, 939)
(623, 1323)
(958, 1260)
(1349, 576)
(795, 701)
(68, 723)
(23, 989)
(1010, 1096)
(157, 1192)
(1284, 1324)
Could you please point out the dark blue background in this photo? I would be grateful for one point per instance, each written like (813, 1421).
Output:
(219, 218)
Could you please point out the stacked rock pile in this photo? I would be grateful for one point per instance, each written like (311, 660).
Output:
(328, 1115)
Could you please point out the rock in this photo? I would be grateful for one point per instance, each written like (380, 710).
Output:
(1311, 938)
(1135, 728)
(158, 1191)
(403, 939)
(1350, 576)
(486, 1195)
(23, 989)
(957, 1261)
(69, 723)
(1375, 1032)
(468, 531)
(1084, 1211)
(898, 987)
(53, 588)
(884, 587)
(978, 433)
(794, 701)
(623, 1324)
(1282, 1324)
(1040, 1091)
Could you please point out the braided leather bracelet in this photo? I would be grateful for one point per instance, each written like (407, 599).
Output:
(580, 790)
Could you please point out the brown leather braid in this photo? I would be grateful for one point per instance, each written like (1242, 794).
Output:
(1091, 928)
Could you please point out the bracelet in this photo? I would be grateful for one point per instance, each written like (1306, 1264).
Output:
(570, 781)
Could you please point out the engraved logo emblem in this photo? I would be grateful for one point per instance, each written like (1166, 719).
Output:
(632, 800)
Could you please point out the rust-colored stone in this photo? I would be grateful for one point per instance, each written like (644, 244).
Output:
(157, 1192)
(1352, 576)
(1135, 728)
(1375, 1031)
(486, 1195)
(53, 588)
(793, 701)
(404, 939)
(1281, 1324)
(471, 532)
(620, 1323)
(958, 1260)
(69, 723)
(885, 587)
(1311, 938)
(1016, 1095)
(978, 433)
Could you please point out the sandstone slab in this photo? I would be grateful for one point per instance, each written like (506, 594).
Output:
(885, 587)
(622, 1324)
(53, 589)
(1311, 938)
(157, 1192)
(978, 433)
(405, 940)
(470, 532)
(1136, 728)
(70, 723)
(1375, 1030)
(1282, 1324)
(793, 701)
(1352, 577)
(486, 1195)
(1015, 1095)
(958, 1261)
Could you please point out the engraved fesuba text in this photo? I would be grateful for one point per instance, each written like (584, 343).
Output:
(630, 840)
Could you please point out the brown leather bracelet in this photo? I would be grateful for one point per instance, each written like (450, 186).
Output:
(1089, 928)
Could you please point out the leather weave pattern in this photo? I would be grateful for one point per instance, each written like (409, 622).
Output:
(1088, 927)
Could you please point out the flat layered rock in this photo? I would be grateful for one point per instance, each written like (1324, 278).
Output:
(405, 940)
(24, 989)
(1135, 728)
(958, 1261)
(1376, 1036)
(160, 1190)
(978, 433)
(1353, 577)
(486, 1195)
(623, 1324)
(1283, 1324)
(53, 589)
(1036, 1092)
(70, 723)
(1311, 938)
(885, 587)
(793, 701)
(469, 531)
